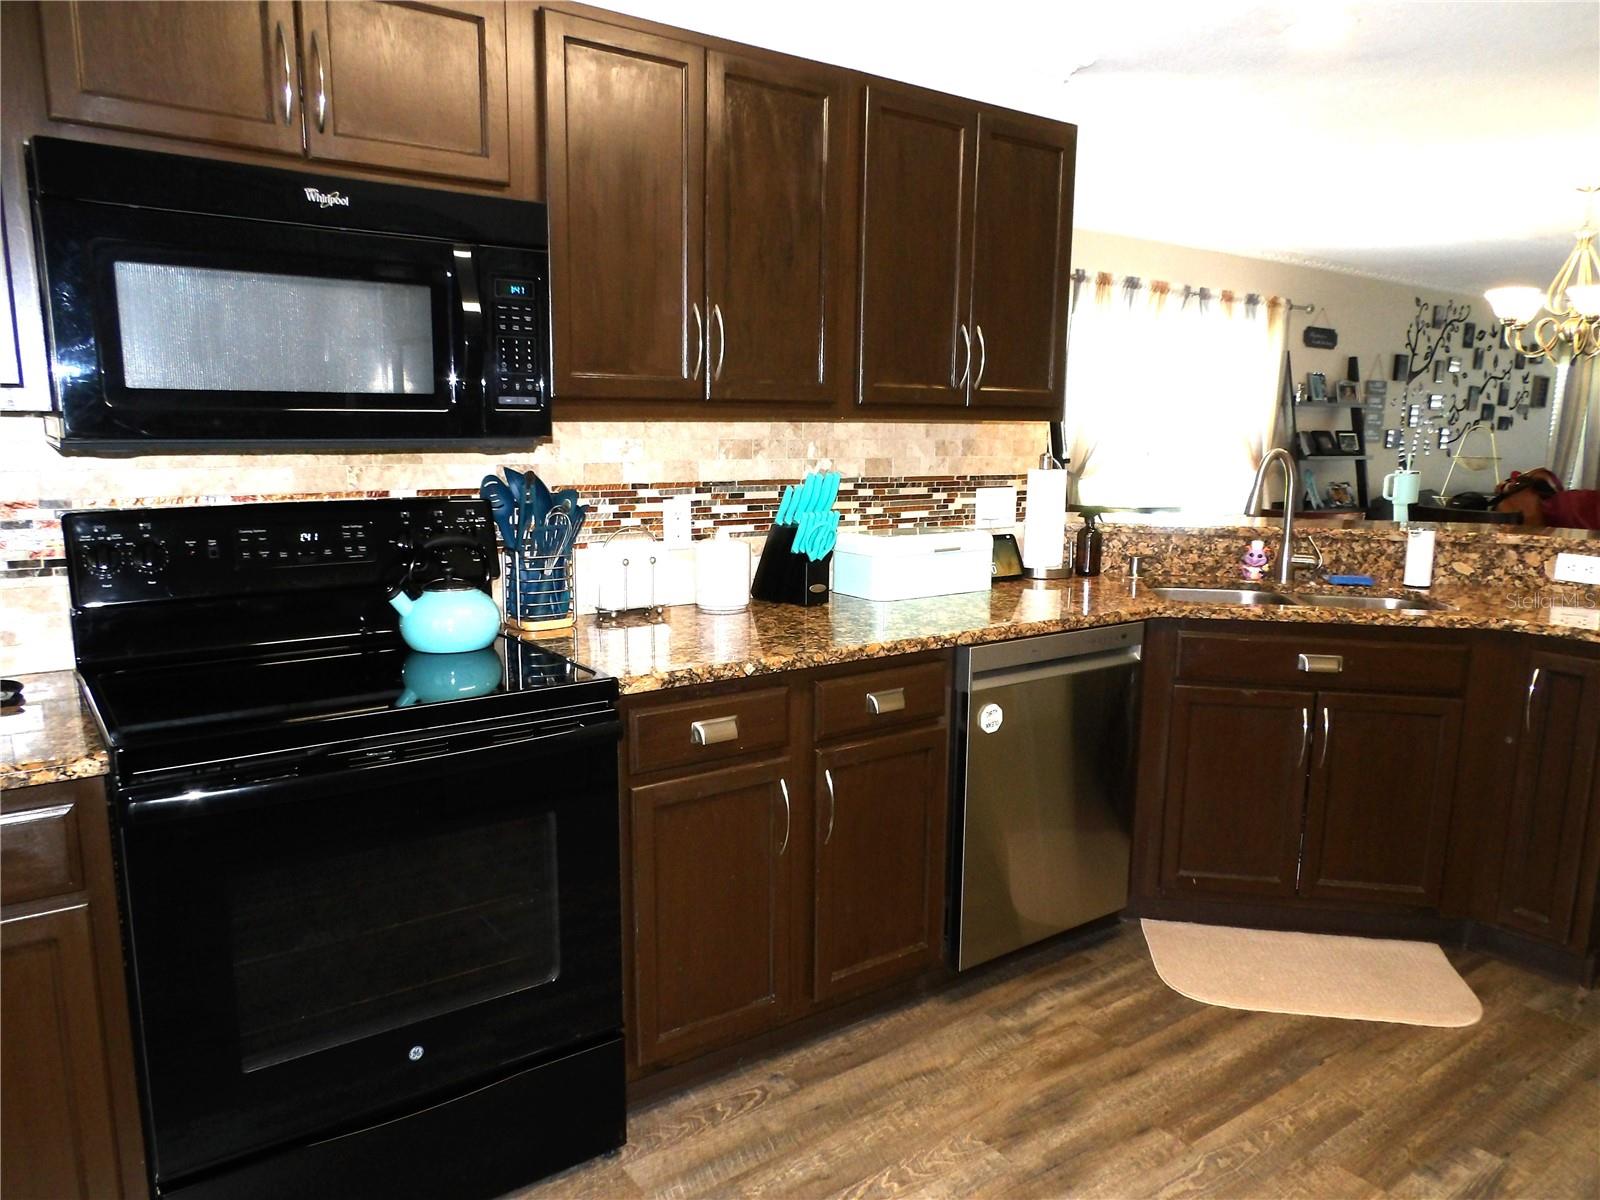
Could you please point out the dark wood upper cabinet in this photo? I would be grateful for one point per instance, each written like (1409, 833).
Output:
(880, 837)
(1555, 800)
(421, 88)
(625, 152)
(1378, 810)
(778, 289)
(211, 71)
(916, 250)
(712, 887)
(1021, 260)
(1235, 790)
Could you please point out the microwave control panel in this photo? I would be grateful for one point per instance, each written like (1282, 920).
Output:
(519, 336)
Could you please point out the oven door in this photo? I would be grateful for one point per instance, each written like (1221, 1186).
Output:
(179, 328)
(311, 957)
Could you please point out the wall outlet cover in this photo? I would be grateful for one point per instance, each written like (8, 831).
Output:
(996, 508)
(1578, 568)
(676, 512)
(1575, 618)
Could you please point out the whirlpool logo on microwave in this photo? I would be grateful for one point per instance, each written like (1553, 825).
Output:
(327, 199)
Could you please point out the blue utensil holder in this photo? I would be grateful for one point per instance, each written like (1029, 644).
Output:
(541, 582)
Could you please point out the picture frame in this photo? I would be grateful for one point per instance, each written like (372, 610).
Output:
(1438, 316)
(1402, 366)
(1477, 359)
(1539, 397)
(1377, 387)
(1317, 387)
(1502, 424)
(1438, 370)
(1307, 444)
(1324, 441)
(1346, 392)
(1349, 441)
(1519, 362)
(1469, 333)
(1486, 413)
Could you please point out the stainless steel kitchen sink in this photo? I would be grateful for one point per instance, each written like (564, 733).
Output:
(1380, 603)
(1213, 595)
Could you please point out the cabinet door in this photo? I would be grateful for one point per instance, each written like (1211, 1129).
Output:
(58, 1129)
(212, 70)
(880, 830)
(415, 87)
(776, 243)
(916, 250)
(1555, 796)
(1235, 790)
(1022, 258)
(712, 884)
(1382, 775)
(625, 169)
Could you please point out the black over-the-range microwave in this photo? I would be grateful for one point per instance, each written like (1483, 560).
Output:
(192, 304)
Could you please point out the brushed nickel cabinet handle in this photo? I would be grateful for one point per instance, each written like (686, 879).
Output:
(1527, 704)
(699, 340)
(1320, 664)
(833, 806)
(1322, 756)
(966, 367)
(713, 730)
(1305, 734)
(722, 340)
(288, 77)
(983, 358)
(887, 701)
(322, 86)
(783, 786)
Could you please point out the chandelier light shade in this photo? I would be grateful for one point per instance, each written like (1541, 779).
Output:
(1571, 324)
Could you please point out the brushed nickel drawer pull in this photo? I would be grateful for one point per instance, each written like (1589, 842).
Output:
(1321, 664)
(714, 730)
(887, 701)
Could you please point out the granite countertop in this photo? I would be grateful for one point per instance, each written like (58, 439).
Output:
(54, 738)
(693, 647)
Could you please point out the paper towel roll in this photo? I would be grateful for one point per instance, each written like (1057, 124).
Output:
(1044, 530)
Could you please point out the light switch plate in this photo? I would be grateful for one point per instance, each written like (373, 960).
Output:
(1575, 618)
(675, 520)
(996, 508)
(1578, 568)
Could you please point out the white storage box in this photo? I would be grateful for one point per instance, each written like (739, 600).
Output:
(908, 566)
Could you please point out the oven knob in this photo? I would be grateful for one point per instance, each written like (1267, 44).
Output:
(103, 558)
(149, 557)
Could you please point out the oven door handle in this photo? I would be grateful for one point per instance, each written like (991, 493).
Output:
(168, 804)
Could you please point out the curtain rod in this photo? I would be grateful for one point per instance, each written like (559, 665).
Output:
(1134, 283)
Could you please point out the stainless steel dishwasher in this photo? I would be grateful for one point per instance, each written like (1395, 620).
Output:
(1044, 787)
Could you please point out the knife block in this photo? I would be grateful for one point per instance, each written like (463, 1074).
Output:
(784, 577)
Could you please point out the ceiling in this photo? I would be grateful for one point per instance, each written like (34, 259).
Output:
(1432, 143)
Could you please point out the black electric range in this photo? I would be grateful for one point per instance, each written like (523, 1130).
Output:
(370, 896)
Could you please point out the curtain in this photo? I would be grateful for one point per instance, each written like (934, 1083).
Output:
(1575, 453)
(1172, 394)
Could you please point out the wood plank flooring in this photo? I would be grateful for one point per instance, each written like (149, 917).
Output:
(1076, 1072)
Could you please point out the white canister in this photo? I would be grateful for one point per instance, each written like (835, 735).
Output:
(1419, 556)
(721, 574)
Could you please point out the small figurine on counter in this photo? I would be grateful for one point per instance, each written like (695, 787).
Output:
(1253, 563)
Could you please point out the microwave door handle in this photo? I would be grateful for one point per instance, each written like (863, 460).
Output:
(474, 364)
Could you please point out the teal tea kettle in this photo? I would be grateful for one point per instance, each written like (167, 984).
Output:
(448, 615)
(430, 678)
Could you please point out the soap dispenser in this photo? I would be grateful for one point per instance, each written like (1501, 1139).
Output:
(1086, 558)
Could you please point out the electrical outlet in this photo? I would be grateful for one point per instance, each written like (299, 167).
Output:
(675, 519)
(1577, 568)
(996, 507)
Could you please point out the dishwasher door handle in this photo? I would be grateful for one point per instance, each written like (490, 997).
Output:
(1057, 668)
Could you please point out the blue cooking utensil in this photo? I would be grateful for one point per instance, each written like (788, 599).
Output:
(502, 507)
(517, 482)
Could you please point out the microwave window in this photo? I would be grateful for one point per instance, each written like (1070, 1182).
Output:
(205, 330)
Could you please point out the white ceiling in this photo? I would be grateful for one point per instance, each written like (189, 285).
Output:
(1433, 143)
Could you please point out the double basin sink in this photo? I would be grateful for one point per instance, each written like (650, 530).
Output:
(1258, 596)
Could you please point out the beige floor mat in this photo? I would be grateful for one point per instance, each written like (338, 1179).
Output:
(1313, 974)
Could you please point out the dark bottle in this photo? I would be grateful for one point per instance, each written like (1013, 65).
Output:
(1086, 560)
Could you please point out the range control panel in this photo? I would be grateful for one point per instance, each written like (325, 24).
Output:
(126, 555)
(520, 336)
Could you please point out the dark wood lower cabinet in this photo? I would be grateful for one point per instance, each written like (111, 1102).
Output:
(880, 860)
(1378, 809)
(1234, 790)
(713, 875)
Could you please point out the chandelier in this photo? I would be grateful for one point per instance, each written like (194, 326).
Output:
(1571, 325)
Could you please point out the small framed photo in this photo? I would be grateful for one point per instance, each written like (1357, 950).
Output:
(1505, 394)
(1519, 362)
(1477, 359)
(1402, 367)
(1317, 387)
(1391, 439)
(1438, 316)
(1503, 424)
(1377, 387)
(1469, 333)
(1347, 392)
(1486, 413)
(1523, 410)
(1455, 366)
(1324, 441)
(1308, 444)
(1436, 403)
(1349, 441)
(1540, 396)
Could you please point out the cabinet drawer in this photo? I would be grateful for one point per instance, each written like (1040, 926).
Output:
(39, 853)
(703, 731)
(881, 699)
(1319, 661)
